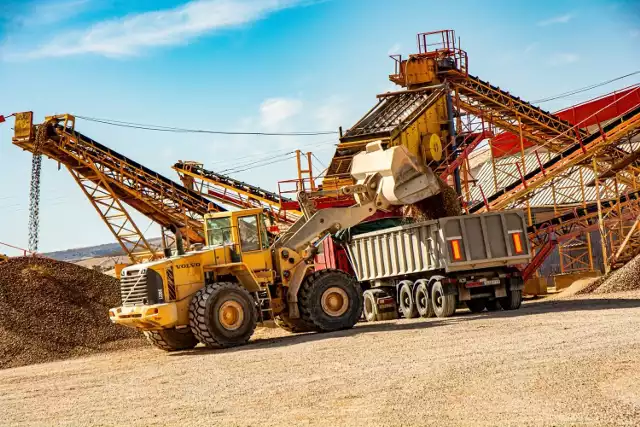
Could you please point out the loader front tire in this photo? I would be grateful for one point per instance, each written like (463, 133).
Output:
(172, 339)
(330, 300)
(222, 315)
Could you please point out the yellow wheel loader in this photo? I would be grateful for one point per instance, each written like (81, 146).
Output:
(3, 258)
(217, 295)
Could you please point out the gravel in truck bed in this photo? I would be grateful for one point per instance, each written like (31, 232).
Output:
(53, 310)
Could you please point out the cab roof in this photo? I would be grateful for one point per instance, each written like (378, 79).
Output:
(232, 214)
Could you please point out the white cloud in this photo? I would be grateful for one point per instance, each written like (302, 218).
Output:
(275, 112)
(50, 12)
(131, 35)
(634, 33)
(563, 58)
(331, 114)
(561, 19)
(395, 49)
(531, 47)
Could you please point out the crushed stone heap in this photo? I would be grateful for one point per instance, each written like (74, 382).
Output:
(54, 310)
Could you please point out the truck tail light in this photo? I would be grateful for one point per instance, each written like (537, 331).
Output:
(517, 243)
(455, 250)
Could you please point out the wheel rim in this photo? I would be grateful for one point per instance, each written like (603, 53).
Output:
(438, 299)
(406, 300)
(368, 305)
(335, 301)
(421, 300)
(231, 315)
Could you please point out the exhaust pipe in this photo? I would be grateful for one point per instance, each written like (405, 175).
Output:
(179, 240)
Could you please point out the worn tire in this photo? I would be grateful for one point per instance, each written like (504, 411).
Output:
(322, 287)
(370, 306)
(294, 326)
(512, 301)
(406, 301)
(476, 305)
(443, 305)
(204, 315)
(172, 339)
(493, 305)
(422, 300)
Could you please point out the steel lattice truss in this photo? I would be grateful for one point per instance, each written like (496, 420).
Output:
(230, 191)
(110, 181)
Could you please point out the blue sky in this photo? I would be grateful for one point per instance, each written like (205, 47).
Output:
(262, 65)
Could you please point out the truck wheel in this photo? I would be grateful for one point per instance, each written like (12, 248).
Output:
(330, 300)
(476, 305)
(443, 305)
(512, 301)
(292, 325)
(407, 302)
(172, 339)
(493, 305)
(370, 307)
(222, 315)
(423, 302)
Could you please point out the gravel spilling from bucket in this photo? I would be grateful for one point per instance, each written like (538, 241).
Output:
(441, 205)
(52, 310)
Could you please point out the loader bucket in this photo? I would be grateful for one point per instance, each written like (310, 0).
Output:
(403, 181)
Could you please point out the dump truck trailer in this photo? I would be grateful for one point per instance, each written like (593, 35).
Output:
(430, 268)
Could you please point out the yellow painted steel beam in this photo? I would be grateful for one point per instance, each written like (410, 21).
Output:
(591, 151)
(122, 181)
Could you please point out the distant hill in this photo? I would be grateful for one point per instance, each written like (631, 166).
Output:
(105, 250)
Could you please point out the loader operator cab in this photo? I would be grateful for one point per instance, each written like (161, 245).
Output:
(244, 231)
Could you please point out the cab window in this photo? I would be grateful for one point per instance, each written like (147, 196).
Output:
(219, 231)
(265, 236)
(249, 236)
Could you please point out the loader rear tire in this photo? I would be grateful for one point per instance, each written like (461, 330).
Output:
(407, 302)
(294, 326)
(331, 300)
(476, 305)
(422, 300)
(512, 301)
(223, 315)
(172, 339)
(443, 305)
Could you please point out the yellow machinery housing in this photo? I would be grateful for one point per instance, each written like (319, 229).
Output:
(217, 295)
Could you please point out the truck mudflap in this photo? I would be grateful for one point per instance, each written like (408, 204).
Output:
(516, 283)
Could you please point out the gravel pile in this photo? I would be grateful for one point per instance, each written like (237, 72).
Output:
(439, 206)
(624, 279)
(52, 310)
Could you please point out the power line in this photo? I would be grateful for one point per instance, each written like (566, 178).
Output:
(265, 164)
(583, 89)
(159, 128)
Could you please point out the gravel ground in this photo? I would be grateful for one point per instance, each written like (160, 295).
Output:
(554, 362)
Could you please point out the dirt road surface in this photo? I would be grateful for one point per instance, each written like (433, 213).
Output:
(557, 362)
